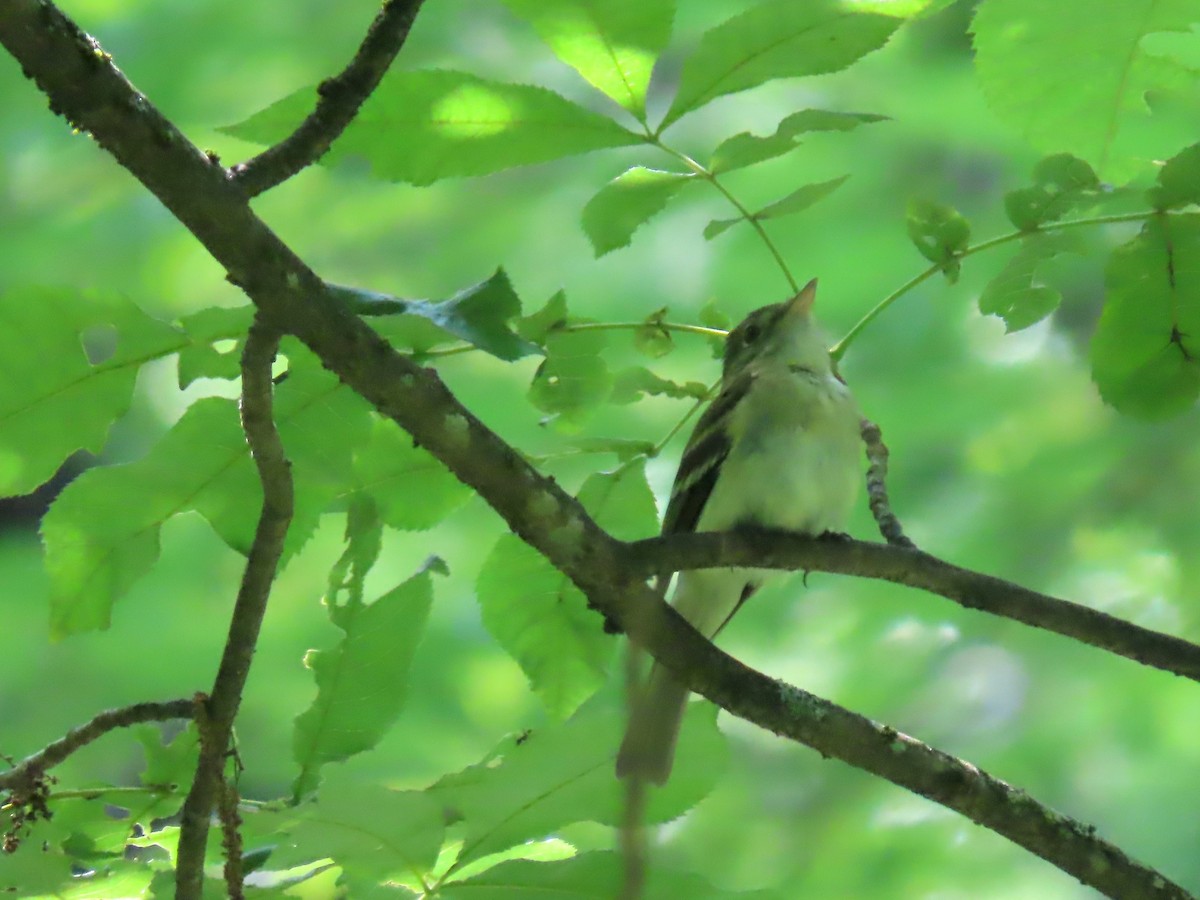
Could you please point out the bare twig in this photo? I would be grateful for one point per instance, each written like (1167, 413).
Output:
(216, 722)
(340, 99)
(912, 567)
(877, 493)
(89, 90)
(231, 839)
(32, 767)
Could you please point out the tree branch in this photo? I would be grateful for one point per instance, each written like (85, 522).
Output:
(95, 96)
(216, 722)
(33, 767)
(339, 100)
(912, 567)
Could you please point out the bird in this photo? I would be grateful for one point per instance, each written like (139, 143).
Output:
(779, 447)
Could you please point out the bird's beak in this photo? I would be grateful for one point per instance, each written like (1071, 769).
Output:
(802, 303)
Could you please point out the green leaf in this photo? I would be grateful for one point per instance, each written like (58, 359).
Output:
(652, 338)
(167, 765)
(479, 315)
(745, 149)
(636, 382)
(624, 448)
(574, 379)
(531, 785)
(589, 876)
(536, 327)
(1147, 344)
(1061, 183)
(797, 201)
(412, 489)
(780, 39)
(199, 358)
(1073, 77)
(68, 360)
(99, 542)
(1178, 180)
(364, 541)
(540, 618)
(628, 201)
(712, 317)
(611, 43)
(423, 126)
(1012, 294)
(361, 682)
(940, 233)
(370, 831)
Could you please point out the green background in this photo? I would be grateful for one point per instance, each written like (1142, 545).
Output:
(1004, 458)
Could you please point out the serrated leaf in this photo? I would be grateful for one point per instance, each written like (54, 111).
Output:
(370, 831)
(68, 362)
(627, 202)
(781, 39)
(1061, 183)
(1012, 294)
(479, 314)
(940, 233)
(588, 876)
(540, 618)
(537, 326)
(574, 379)
(1178, 180)
(652, 338)
(1074, 78)
(362, 681)
(611, 43)
(412, 489)
(423, 126)
(199, 358)
(98, 542)
(563, 773)
(745, 149)
(631, 384)
(364, 541)
(797, 201)
(1147, 344)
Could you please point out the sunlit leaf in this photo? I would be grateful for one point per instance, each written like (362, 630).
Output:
(1073, 76)
(422, 126)
(1146, 350)
(612, 43)
(797, 201)
(1061, 183)
(68, 362)
(363, 680)
(200, 357)
(624, 204)
(1013, 294)
(540, 618)
(563, 773)
(745, 149)
(780, 39)
(940, 233)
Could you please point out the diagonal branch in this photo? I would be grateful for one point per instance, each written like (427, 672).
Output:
(93, 94)
(216, 719)
(912, 567)
(340, 99)
(22, 775)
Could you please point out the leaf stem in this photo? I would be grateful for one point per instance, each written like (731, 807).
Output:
(839, 349)
(712, 179)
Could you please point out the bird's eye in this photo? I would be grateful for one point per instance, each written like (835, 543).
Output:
(752, 333)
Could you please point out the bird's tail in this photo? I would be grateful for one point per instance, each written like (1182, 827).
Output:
(648, 748)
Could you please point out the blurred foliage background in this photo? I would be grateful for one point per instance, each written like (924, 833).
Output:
(1004, 458)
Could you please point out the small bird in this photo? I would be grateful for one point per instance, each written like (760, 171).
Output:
(778, 448)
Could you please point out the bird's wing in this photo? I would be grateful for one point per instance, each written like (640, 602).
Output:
(700, 467)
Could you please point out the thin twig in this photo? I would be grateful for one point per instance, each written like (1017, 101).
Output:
(231, 839)
(340, 99)
(51, 755)
(877, 492)
(216, 725)
(912, 567)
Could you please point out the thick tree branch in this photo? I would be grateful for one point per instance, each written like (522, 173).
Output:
(340, 99)
(216, 721)
(21, 776)
(912, 567)
(83, 85)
